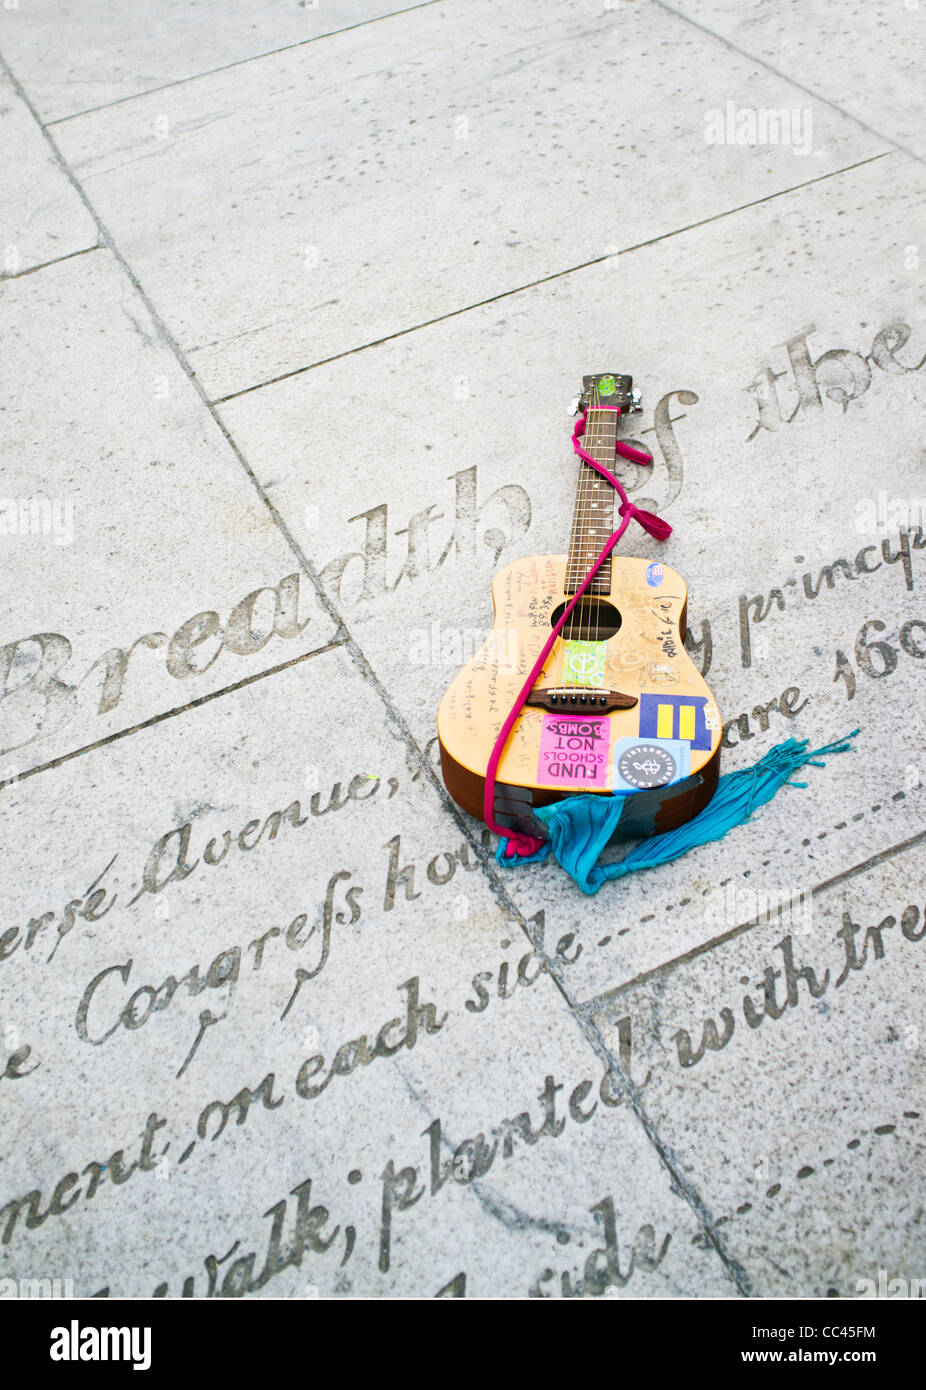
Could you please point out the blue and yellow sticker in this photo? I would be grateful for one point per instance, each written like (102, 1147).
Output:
(679, 717)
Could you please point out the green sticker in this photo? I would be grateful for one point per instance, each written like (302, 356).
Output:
(606, 386)
(583, 663)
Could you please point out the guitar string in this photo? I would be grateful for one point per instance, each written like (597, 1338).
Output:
(582, 531)
(594, 449)
(581, 556)
(572, 574)
(567, 581)
(597, 582)
(598, 445)
(587, 489)
(573, 559)
(576, 624)
(592, 429)
(604, 573)
(570, 559)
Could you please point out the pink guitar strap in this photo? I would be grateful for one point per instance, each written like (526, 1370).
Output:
(520, 844)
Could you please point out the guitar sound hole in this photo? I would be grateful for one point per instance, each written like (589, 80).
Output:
(593, 620)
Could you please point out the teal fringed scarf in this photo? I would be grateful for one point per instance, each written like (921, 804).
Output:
(581, 826)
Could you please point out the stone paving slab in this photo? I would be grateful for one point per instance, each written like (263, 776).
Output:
(274, 1022)
(798, 1108)
(128, 520)
(301, 940)
(734, 546)
(459, 174)
(41, 217)
(75, 59)
(866, 59)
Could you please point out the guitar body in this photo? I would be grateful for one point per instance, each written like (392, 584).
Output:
(619, 707)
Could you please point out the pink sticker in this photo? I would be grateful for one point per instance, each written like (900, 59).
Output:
(574, 751)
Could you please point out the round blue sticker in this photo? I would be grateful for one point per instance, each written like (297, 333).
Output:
(655, 575)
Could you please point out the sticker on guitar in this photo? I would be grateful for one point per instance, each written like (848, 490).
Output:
(574, 751)
(657, 762)
(583, 663)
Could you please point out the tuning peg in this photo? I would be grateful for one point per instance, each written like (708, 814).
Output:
(575, 406)
(636, 401)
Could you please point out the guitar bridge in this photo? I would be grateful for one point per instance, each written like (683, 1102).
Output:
(577, 697)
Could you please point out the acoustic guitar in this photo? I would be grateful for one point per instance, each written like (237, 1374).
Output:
(619, 708)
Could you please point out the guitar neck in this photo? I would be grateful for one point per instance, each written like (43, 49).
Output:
(593, 518)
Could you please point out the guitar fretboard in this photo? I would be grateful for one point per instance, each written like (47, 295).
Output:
(593, 519)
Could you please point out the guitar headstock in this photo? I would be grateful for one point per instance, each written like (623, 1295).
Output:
(609, 389)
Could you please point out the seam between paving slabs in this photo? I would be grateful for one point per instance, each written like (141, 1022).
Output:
(336, 641)
(589, 1029)
(747, 873)
(779, 72)
(600, 1001)
(239, 62)
(546, 279)
(43, 265)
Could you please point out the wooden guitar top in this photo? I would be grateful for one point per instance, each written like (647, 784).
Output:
(570, 744)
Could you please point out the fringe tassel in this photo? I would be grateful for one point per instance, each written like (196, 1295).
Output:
(581, 826)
